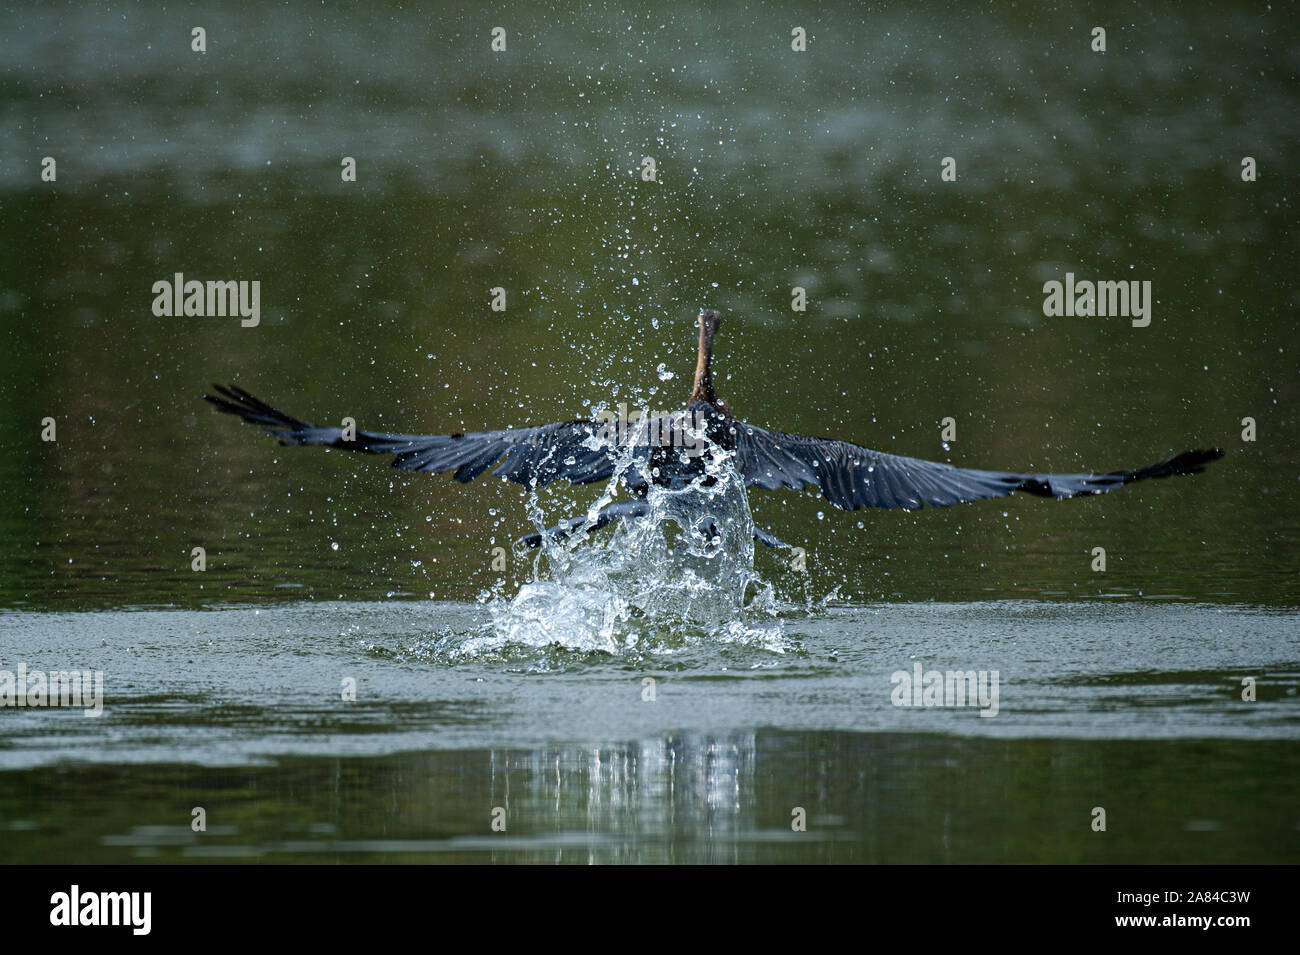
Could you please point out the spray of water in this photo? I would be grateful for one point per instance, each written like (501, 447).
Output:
(680, 575)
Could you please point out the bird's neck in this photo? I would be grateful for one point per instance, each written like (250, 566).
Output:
(704, 369)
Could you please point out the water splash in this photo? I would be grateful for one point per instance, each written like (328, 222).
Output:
(681, 575)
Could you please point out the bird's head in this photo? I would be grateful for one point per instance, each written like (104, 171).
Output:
(709, 321)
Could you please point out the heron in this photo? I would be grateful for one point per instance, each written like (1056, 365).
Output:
(670, 451)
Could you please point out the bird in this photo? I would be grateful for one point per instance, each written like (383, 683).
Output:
(674, 450)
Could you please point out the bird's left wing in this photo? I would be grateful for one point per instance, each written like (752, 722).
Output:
(852, 477)
(532, 456)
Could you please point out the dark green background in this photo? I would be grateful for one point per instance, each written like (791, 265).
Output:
(520, 170)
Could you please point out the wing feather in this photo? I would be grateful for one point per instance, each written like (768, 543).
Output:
(851, 476)
(534, 456)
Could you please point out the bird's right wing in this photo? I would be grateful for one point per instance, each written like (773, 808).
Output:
(533, 456)
(852, 477)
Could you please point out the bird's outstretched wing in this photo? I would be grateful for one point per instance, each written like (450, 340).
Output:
(533, 456)
(853, 477)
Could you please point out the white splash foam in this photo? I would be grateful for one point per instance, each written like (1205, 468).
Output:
(680, 574)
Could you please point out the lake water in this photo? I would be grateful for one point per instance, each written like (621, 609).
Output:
(511, 691)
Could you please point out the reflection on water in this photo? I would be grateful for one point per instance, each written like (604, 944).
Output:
(1137, 707)
(684, 798)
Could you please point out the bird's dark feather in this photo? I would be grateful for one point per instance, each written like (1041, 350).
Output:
(852, 477)
(533, 456)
